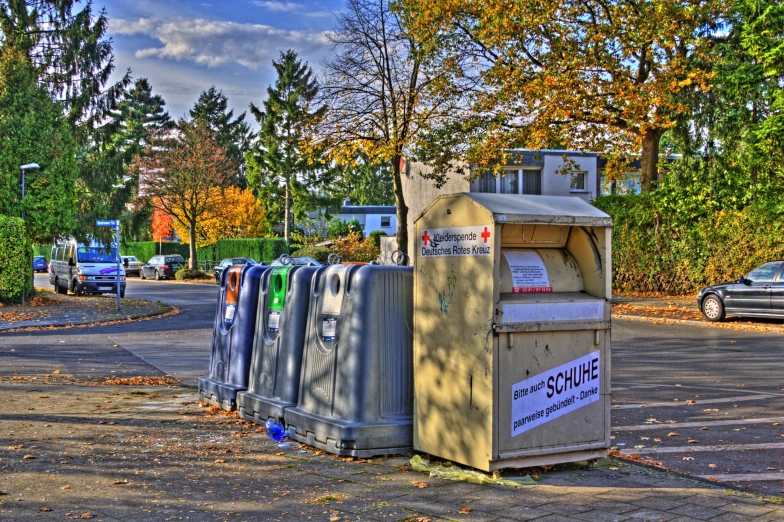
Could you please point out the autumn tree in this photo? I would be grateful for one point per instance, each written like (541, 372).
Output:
(236, 213)
(599, 75)
(161, 224)
(179, 172)
(285, 172)
(376, 86)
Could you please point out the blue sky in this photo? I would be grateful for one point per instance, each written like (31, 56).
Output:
(184, 46)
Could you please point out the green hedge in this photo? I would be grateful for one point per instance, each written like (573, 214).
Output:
(260, 249)
(187, 273)
(664, 243)
(16, 260)
(144, 250)
(43, 250)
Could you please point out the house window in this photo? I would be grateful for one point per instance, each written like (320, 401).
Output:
(386, 221)
(578, 181)
(510, 182)
(486, 183)
(532, 182)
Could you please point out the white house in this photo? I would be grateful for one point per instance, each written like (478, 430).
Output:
(370, 217)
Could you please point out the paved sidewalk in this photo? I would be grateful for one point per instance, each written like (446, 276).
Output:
(52, 310)
(72, 450)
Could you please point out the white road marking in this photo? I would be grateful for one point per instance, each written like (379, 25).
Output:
(745, 477)
(632, 386)
(695, 448)
(697, 402)
(672, 425)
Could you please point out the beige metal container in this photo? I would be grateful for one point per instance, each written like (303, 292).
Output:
(512, 330)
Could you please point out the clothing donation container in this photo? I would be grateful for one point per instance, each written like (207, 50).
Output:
(355, 390)
(232, 336)
(277, 347)
(512, 330)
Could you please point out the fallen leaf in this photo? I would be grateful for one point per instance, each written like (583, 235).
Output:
(86, 515)
(120, 482)
(65, 487)
(613, 468)
(56, 372)
(713, 466)
(43, 396)
(687, 458)
(712, 479)
(656, 440)
(335, 518)
(672, 434)
(704, 428)
(29, 457)
(465, 511)
(776, 424)
(771, 469)
(692, 441)
(45, 508)
(220, 461)
(690, 402)
(419, 485)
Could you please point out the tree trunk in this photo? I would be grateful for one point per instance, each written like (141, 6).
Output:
(402, 207)
(287, 215)
(649, 172)
(192, 262)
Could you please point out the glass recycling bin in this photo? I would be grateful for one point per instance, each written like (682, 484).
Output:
(512, 330)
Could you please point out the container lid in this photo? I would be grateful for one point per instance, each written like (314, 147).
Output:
(278, 283)
(518, 208)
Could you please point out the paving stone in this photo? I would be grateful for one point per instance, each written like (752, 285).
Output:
(698, 512)
(596, 515)
(748, 509)
(563, 508)
(650, 515)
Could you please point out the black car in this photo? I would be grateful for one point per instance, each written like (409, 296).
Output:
(161, 267)
(758, 294)
(217, 270)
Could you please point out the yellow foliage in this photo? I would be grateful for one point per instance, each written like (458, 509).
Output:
(237, 214)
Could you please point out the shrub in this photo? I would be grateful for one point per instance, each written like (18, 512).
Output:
(320, 254)
(144, 250)
(187, 273)
(376, 236)
(16, 260)
(338, 228)
(261, 249)
(356, 248)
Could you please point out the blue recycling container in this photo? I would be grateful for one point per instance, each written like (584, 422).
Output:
(232, 336)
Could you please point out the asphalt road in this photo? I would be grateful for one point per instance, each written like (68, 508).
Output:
(701, 400)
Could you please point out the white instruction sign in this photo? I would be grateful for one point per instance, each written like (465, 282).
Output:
(273, 321)
(457, 241)
(528, 271)
(329, 329)
(556, 392)
(230, 310)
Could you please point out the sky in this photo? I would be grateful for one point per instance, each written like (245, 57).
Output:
(185, 46)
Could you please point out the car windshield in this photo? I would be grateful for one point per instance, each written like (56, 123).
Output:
(39, 258)
(96, 255)
(174, 260)
(131, 258)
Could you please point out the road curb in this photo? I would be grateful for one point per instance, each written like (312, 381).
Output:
(726, 326)
(173, 310)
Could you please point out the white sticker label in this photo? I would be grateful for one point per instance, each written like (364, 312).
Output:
(230, 309)
(273, 321)
(528, 271)
(458, 241)
(329, 329)
(556, 392)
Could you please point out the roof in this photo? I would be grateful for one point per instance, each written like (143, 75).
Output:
(367, 209)
(514, 208)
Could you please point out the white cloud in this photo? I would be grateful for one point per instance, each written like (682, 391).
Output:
(286, 7)
(215, 43)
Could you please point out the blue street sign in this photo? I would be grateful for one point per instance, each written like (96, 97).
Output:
(106, 223)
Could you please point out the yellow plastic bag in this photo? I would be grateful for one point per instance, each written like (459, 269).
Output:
(467, 475)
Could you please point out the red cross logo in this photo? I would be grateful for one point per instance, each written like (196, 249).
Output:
(425, 238)
(485, 235)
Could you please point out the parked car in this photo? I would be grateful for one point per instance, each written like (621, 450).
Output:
(132, 265)
(40, 264)
(759, 294)
(217, 270)
(85, 268)
(302, 261)
(161, 267)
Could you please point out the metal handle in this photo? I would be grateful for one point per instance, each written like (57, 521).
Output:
(285, 259)
(399, 258)
(334, 259)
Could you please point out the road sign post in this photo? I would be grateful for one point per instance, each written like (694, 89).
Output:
(115, 224)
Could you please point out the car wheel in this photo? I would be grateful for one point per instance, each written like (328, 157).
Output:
(77, 291)
(713, 308)
(122, 293)
(141, 274)
(157, 276)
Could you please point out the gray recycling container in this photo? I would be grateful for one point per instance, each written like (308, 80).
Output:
(356, 391)
(276, 360)
(232, 336)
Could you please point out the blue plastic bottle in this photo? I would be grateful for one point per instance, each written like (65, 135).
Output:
(274, 430)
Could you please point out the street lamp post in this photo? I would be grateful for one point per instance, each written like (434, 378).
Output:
(23, 169)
